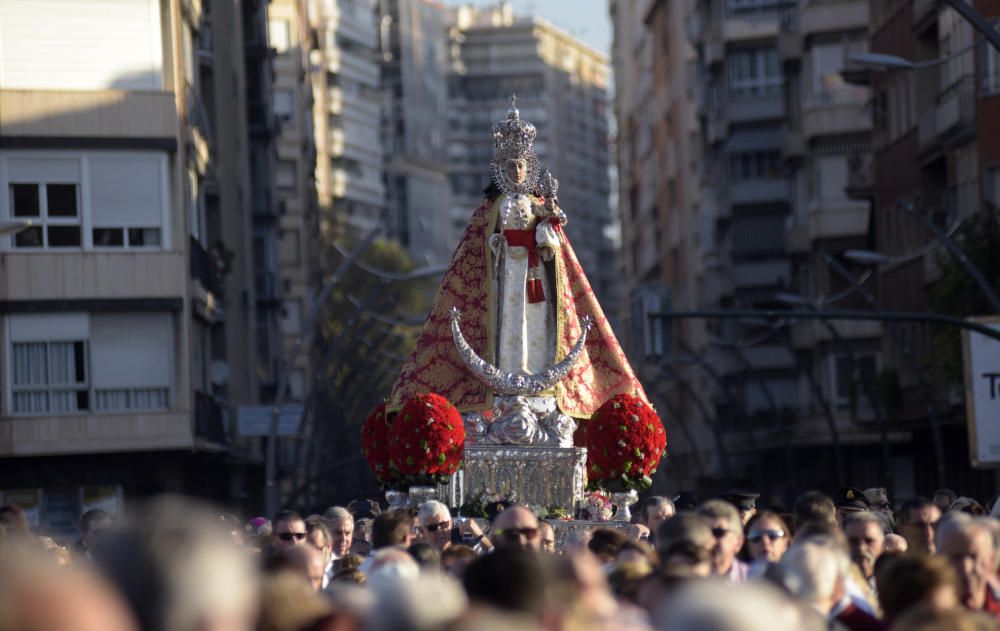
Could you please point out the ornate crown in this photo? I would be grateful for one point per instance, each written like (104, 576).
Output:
(513, 137)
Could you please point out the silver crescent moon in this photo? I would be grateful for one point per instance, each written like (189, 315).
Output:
(510, 383)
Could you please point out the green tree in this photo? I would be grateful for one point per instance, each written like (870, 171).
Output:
(955, 293)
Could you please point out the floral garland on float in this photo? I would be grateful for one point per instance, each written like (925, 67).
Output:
(625, 442)
(415, 450)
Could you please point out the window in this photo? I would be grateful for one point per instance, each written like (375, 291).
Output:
(285, 174)
(845, 386)
(78, 362)
(990, 64)
(831, 178)
(121, 205)
(278, 32)
(284, 106)
(46, 192)
(288, 247)
(291, 317)
(49, 377)
(754, 72)
(739, 6)
(827, 63)
(758, 165)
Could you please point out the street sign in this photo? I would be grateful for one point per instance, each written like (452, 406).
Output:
(982, 393)
(255, 420)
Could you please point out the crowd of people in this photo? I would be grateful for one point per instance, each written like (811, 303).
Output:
(849, 562)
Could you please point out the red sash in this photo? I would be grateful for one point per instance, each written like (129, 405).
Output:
(526, 239)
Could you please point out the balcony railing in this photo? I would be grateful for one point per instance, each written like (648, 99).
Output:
(952, 120)
(209, 419)
(204, 268)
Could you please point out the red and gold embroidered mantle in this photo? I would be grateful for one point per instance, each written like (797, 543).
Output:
(602, 371)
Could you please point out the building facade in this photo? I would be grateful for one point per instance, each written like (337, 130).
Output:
(562, 88)
(415, 80)
(348, 112)
(129, 327)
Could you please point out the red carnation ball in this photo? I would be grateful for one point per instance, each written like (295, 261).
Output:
(428, 438)
(625, 441)
(375, 443)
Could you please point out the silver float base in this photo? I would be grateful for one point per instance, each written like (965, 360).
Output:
(544, 476)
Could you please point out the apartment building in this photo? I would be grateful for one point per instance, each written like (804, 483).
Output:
(128, 324)
(933, 146)
(348, 112)
(415, 79)
(562, 88)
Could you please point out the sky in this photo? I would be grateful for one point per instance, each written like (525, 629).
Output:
(586, 19)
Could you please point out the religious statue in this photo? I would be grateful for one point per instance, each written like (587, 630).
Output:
(516, 338)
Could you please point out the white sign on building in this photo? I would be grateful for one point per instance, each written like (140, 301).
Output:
(982, 393)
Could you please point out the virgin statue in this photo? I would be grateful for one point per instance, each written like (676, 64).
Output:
(515, 337)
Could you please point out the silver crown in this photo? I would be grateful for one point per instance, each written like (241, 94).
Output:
(513, 137)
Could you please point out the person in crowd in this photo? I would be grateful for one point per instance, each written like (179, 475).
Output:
(517, 527)
(13, 517)
(548, 537)
(362, 536)
(510, 579)
(969, 545)
(727, 530)
(455, 558)
(289, 530)
(312, 564)
(179, 570)
(687, 541)
(289, 603)
(391, 528)
(849, 501)
(817, 573)
(866, 542)
(916, 520)
(767, 538)
(427, 556)
(911, 580)
(606, 543)
(878, 498)
(35, 595)
(967, 505)
(813, 506)
(637, 553)
(437, 528)
(655, 510)
(895, 543)
(341, 524)
(943, 499)
(717, 606)
(319, 536)
(93, 523)
(927, 619)
(685, 502)
(745, 503)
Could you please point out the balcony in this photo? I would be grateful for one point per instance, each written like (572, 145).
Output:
(952, 122)
(748, 192)
(761, 274)
(763, 107)
(209, 419)
(836, 113)
(836, 219)
(205, 268)
(821, 16)
(749, 25)
(94, 433)
(104, 113)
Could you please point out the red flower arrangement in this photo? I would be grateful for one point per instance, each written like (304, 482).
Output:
(375, 444)
(625, 441)
(427, 442)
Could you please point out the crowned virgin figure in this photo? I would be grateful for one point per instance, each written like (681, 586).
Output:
(515, 337)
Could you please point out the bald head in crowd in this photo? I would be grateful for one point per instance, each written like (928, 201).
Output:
(517, 527)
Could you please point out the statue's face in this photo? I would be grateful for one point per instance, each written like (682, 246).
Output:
(516, 170)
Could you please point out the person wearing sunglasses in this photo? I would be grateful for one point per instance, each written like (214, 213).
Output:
(289, 530)
(767, 537)
(727, 530)
(517, 527)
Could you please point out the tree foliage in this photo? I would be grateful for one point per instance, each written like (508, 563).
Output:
(956, 293)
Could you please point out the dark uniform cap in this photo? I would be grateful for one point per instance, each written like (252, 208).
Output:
(742, 500)
(685, 501)
(851, 499)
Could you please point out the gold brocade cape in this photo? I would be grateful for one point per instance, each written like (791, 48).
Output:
(601, 372)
